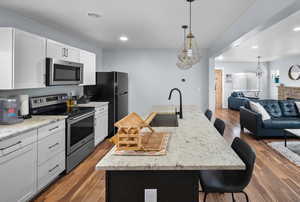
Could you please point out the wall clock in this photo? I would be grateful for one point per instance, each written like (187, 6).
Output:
(294, 72)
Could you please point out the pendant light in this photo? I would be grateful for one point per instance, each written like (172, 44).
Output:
(259, 71)
(183, 52)
(190, 53)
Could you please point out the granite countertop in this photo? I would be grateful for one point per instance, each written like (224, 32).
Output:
(93, 104)
(9, 131)
(194, 145)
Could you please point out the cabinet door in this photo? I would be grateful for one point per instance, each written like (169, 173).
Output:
(62, 52)
(18, 172)
(6, 50)
(89, 68)
(101, 127)
(29, 60)
(105, 125)
(97, 130)
(72, 54)
(55, 50)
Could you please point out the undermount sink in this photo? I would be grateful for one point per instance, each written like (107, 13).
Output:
(165, 120)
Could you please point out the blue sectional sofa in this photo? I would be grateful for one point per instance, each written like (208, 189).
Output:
(237, 100)
(284, 115)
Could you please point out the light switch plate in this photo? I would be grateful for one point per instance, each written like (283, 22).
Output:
(150, 195)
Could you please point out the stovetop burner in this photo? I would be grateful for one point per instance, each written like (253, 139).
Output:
(70, 112)
(56, 105)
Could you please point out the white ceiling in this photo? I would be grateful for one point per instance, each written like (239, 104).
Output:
(275, 42)
(147, 23)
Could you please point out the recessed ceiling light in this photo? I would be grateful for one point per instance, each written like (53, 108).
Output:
(296, 29)
(94, 15)
(255, 47)
(236, 44)
(220, 57)
(123, 38)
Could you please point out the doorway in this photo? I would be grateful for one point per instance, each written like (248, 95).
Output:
(218, 88)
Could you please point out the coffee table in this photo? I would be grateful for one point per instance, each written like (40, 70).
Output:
(295, 132)
(295, 147)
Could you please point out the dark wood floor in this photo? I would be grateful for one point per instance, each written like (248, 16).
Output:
(275, 178)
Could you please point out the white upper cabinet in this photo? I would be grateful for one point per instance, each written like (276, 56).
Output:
(61, 51)
(89, 67)
(22, 58)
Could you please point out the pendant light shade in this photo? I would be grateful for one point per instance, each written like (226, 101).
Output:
(189, 54)
(183, 62)
(259, 71)
(183, 66)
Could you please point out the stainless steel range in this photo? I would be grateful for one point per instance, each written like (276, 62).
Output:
(79, 125)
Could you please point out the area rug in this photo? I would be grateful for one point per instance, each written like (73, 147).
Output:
(291, 152)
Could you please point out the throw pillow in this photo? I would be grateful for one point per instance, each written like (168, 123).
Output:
(258, 108)
(298, 106)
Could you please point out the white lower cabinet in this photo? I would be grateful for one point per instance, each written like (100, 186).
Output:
(30, 161)
(18, 166)
(51, 153)
(101, 124)
(48, 171)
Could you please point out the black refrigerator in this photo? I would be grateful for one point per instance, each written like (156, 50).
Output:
(111, 87)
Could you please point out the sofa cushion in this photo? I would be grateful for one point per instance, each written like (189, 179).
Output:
(234, 94)
(288, 108)
(258, 108)
(282, 123)
(241, 94)
(272, 107)
(247, 103)
(237, 94)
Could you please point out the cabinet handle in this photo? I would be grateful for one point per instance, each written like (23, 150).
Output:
(56, 166)
(44, 79)
(56, 144)
(19, 142)
(56, 127)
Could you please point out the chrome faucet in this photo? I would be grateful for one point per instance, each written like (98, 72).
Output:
(180, 105)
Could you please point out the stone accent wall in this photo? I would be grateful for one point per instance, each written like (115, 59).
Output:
(285, 92)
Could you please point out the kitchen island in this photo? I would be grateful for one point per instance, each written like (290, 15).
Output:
(194, 145)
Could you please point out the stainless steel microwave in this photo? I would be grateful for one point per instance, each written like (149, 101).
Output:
(60, 72)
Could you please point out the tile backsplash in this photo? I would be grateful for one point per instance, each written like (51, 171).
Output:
(76, 90)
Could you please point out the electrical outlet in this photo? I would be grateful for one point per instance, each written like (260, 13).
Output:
(150, 195)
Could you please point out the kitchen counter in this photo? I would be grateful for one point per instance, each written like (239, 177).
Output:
(93, 104)
(9, 131)
(194, 145)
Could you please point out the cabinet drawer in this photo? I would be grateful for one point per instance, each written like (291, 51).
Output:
(51, 129)
(13, 144)
(50, 170)
(51, 146)
(101, 109)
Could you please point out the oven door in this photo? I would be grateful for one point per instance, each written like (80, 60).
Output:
(80, 130)
(61, 72)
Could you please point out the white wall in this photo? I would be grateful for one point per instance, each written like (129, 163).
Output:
(283, 65)
(12, 19)
(153, 73)
(241, 67)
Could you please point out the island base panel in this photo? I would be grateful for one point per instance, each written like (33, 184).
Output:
(172, 186)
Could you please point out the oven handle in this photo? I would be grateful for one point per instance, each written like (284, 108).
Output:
(81, 117)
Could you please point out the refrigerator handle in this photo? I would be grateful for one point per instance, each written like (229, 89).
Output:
(125, 93)
(116, 89)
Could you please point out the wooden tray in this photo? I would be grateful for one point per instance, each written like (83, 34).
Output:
(154, 144)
